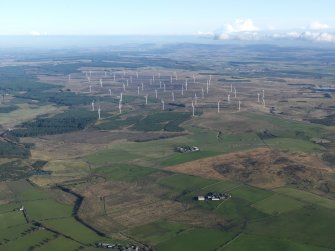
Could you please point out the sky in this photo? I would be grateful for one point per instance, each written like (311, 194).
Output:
(163, 17)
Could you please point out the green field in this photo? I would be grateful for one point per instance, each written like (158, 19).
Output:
(185, 183)
(260, 243)
(124, 172)
(157, 232)
(309, 225)
(71, 227)
(306, 197)
(196, 240)
(277, 204)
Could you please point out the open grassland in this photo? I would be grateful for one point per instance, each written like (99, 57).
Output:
(196, 239)
(254, 242)
(277, 204)
(306, 197)
(26, 112)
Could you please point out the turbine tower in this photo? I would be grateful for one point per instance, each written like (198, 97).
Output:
(92, 105)
(99, 112)
(228, 98)
(162, 104)
(219, 106)
(192, 108)
(146, 99)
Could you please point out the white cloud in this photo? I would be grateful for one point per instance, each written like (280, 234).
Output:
(241, 25)
(37, 33)
(205, 34)
(316, 25)
(318, 36)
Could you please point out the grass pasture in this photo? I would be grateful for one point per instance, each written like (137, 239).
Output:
(70, 227)
(277, 204)
(196, 240)
(124, 172)
(261, 243)
(157, 232)
(306, 197)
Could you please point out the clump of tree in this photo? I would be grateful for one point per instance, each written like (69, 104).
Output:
(68, 121)
(12, 149)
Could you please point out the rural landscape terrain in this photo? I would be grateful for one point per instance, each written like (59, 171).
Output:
(188, 146)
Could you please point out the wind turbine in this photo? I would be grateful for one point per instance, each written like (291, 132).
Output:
(219, 105)
(160, 84)
(172, 93)
(186, 84)
(195, 99)
(164, 87)
(127, 82)
(258, 97)
(121, 96)
(100, 82)
(137, 74)
(142, 86)
(182, 90)
(207, 86)
(231, 88)
(239, 105)
(192, 108)
(156, 93)
(92, 105)
(90, 88)
(263, 94)
(138, 90)
(171, 79)
(146, 99)
(110, 92)
(162, 104)
(99, 112)
(124, 87)
(114, 76)
(69, 77)
(228, 98)
(120, 106)
(235, 91)
(193, 78)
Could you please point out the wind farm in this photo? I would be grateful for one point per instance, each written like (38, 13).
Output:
(137, 152)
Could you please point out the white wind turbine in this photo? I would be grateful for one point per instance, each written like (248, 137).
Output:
(186, 84)
(142, 86)
(162, 104)
(228, 98)
(92, 104)
(110, 92)
(146, 99)
(235, 92)
(207, 87)
(90, 88)
(99, 112)
(100, 82)
(124, 87)
(172, 94)
(138, 90)
(239, 105)
(182, 90)
(219, 106)
(258, 97)
(156, 93)
(192, 108)
(195, 99)
(120, 106)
